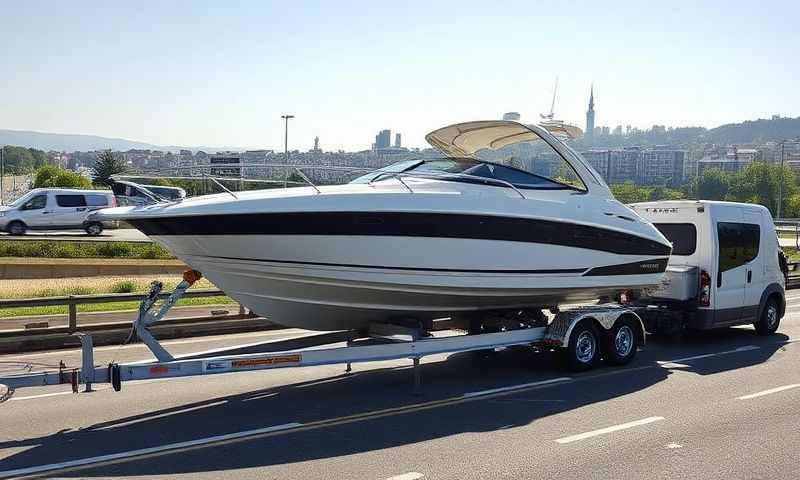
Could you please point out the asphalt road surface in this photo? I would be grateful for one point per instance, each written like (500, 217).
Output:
(114, 234)
(722, 405)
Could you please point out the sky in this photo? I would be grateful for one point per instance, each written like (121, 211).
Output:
(194, 73)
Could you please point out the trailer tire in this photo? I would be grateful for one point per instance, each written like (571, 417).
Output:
(621, 342)
(583, 349)
(770, 318)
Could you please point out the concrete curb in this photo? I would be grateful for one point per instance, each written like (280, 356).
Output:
(22, 268)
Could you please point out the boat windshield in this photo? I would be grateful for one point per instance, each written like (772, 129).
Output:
(464, 168)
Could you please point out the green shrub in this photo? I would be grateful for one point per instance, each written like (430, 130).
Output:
(70, 249)
(125, 286)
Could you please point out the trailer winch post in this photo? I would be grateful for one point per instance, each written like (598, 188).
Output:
(87, 361)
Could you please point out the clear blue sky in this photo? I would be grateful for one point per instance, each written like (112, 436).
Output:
(222, 73)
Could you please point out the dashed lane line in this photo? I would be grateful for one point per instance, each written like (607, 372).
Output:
(516, 387)
(770, 391)
(604, 431)
(407, 476)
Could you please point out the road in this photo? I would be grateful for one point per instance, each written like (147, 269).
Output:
(110, 235)
(722, 405)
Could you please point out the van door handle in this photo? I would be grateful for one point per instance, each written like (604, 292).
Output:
(81, 209)
(45, 212)
(749, 276)
(719, 278)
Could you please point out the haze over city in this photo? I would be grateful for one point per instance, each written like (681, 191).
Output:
(190, 73)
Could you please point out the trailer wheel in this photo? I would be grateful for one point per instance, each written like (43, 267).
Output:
(621, 342)
(770, 319)
(583, 349)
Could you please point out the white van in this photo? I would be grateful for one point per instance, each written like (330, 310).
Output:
(724, 269)
(55, 209)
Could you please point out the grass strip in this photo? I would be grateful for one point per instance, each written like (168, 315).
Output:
(105, 307)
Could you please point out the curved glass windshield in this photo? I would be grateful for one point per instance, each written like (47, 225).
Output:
(398, 167)
(537, 158)
(469, 170)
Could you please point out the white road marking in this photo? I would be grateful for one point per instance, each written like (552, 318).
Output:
(673, 446)
(143, 451)
(16, 399)
(603, 431)
(515, 387)
(407, 476)
(745, 348)
(767, 392)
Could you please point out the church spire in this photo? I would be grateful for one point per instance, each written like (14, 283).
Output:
(589, 134)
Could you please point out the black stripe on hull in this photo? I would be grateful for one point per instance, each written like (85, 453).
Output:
(406, 224)
(624, 269)
(656, 265)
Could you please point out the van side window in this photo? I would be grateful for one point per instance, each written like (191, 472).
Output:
(97, 200)
(36, 203)
(738, 244)
(71, 200)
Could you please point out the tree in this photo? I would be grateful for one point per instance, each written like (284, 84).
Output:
(51, 176)
(107, 164)
(44, 175)
(629, 193)
(760, 183)
(712, 184)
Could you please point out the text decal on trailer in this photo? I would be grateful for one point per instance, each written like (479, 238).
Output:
(251, 363)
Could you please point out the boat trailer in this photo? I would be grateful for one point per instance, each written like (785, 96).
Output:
(579, 331)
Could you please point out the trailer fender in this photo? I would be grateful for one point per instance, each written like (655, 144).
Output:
(560, 329)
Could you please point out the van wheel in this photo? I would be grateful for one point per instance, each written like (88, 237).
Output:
(770, 319)
(16, 228)
(621, 342)
(583, 349)
(94, 229)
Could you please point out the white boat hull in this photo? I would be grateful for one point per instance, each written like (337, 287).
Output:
(335, 282)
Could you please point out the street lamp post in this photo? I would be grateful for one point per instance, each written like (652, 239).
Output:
(2, 175)
(286, 147)
(780, 185)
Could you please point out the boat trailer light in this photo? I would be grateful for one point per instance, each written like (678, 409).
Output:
(191, 276)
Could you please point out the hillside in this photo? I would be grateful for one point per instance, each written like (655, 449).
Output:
(70, 142)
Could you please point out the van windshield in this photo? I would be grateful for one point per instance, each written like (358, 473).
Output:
(682, 235)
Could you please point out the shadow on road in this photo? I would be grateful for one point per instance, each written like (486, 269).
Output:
(362, 392)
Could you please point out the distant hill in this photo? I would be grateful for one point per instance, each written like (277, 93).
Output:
(70, 143)
(751, 131)
(761, 130)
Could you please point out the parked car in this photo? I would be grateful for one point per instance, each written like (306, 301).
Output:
(56, 209)
(725, 267)
(130, 193)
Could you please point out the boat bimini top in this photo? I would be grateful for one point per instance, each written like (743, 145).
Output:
(468, 138)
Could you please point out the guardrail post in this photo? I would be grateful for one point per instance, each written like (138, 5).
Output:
(73, 314)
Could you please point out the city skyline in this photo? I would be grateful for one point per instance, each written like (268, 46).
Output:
(193, 74)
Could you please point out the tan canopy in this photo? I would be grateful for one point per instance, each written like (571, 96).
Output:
(464, 139)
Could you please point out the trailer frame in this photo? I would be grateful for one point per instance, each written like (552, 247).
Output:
(385, 342)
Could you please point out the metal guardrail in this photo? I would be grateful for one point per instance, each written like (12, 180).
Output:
(72, 301)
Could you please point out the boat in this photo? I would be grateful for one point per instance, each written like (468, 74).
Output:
(483, 228)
